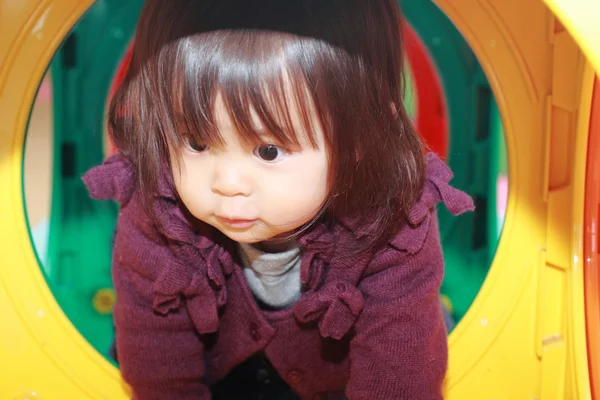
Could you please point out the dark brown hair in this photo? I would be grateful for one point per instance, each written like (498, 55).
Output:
(344, 58)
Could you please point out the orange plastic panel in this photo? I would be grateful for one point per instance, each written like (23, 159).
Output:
(591, 243)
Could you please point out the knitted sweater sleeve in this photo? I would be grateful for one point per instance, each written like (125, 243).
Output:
(160, 356)
(400, 347)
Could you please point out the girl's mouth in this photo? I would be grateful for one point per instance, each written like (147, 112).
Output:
(237, 223)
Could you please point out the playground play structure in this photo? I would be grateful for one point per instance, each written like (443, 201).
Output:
(529, 325)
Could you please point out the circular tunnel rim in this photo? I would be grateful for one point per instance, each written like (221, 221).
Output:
(591, 243)
(31, 276)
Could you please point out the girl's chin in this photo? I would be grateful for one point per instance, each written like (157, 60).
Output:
(271, 244)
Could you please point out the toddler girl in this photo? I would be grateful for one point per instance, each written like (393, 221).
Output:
(277, 235)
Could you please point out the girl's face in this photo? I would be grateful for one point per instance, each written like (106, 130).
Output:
(252, 193)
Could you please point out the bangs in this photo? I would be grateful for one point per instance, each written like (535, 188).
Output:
(262, 87)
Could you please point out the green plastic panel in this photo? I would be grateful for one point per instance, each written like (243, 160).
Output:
(470, 240)
(79, 245)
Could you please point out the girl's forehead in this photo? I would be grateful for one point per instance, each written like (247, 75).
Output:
(225, 124)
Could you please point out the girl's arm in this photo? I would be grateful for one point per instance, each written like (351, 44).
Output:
(400, 347)
(161, 357)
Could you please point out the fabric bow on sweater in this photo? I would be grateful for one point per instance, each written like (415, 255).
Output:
(337, 306)
(202, 289)
(435, 190)
(114, 179)
(337, 303)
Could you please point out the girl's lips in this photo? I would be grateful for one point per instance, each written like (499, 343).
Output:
(236, 222)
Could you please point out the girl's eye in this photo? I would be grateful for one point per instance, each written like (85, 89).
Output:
(269, 152)
(197, 147)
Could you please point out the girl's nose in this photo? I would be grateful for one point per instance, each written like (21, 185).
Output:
(230, 180)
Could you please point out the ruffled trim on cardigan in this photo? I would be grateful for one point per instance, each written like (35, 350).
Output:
(182, 278)
(338, 304)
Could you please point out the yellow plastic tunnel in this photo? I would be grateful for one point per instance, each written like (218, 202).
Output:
(527, 334)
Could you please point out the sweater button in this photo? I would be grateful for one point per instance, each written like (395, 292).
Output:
(295, 377)
(255, 332)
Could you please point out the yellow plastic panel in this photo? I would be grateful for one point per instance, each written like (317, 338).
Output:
(43, 356)
(523, 336)
(581, 19)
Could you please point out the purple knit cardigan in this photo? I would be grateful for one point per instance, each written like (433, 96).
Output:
(370, 327)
